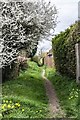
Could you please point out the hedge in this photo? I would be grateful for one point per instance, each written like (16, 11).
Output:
(64, 50)
(11, 72)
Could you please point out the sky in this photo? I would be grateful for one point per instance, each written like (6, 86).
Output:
(67, 15)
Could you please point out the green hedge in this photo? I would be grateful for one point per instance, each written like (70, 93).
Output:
(10, 72)
(64, 50)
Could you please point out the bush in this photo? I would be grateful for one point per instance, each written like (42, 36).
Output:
(10, 72)
(64, 50)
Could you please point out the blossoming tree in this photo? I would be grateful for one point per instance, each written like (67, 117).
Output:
(22, 26)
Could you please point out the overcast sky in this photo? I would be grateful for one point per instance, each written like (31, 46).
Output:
(68, 14)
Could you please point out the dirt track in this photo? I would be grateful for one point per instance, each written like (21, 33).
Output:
(54, 107)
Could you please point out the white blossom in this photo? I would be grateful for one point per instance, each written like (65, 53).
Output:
(23, 25)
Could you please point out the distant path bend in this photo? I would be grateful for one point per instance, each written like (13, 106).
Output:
(54, 106)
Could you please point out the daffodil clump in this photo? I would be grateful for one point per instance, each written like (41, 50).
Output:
(8, 106)
(74, 94)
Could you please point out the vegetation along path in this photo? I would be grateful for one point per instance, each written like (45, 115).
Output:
(54, 107)
(25, 96)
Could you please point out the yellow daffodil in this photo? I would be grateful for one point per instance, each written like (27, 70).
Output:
(6, 101)
(13, 106)
(3, 107)
(22, 110)
(17, 104)
(9, 106)
(10, 101)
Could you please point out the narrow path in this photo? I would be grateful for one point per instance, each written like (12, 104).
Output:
(54, 107)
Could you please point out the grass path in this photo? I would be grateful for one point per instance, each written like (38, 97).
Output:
(54, 107)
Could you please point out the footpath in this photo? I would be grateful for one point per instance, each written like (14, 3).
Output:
(54, 107)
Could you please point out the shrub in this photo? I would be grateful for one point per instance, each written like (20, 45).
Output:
(10, 72)
(64, 50)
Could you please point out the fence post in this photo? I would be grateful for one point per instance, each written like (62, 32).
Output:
(79, 11)
(77, 46)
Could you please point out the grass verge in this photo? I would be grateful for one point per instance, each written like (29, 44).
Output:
(67, 91)
(25, 97)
